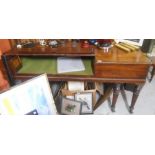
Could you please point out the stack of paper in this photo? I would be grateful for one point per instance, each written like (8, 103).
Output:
(75, 86)
(66, 64)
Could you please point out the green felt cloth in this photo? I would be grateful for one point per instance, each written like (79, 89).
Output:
(49, 66)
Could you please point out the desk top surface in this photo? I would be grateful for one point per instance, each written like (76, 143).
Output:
(115, 55)
(66, 50)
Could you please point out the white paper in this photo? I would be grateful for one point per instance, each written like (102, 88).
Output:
(66, 64)
(75, 86)
(70, 97)
(87, 98)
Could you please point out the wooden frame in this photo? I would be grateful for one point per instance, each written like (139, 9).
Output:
(15, 64)
(70, 107)
(86, 98)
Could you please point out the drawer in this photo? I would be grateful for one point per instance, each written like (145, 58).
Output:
(121, 70)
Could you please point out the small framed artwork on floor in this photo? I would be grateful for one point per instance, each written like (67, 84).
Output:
(86, 98)
(70, 107)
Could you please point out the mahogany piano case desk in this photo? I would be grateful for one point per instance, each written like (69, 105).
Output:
(115, 67)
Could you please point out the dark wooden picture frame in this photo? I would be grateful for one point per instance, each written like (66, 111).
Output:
(70, 107)
(15, 64)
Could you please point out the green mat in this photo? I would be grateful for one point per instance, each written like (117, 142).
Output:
(49, 66)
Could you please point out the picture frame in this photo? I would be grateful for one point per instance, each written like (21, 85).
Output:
(15, 64)
(152, 51)
(34, 94)
(137, 42)
(87, 101)
(33, 112)
(149, 47)
(70, 107)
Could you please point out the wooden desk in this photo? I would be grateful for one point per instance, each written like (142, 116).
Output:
(115, 67)
(120, 67)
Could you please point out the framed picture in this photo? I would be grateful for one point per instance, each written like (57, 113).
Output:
(149, 47)
(70, 107)
(138, 42)
(30, 97)
(152, 51)
(15, 64)
(33, 112)
(87, 101)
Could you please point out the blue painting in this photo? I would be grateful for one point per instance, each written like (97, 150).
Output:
(31, 95)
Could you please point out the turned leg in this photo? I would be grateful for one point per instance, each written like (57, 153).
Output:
(136, 92)
(116, 91)
(152, 74)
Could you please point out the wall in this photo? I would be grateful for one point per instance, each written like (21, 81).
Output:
(5, 45)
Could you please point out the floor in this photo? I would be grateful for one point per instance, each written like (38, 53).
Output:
(145, 104)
